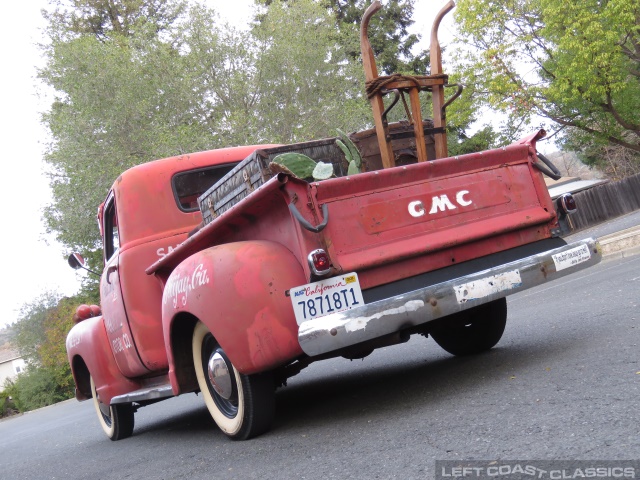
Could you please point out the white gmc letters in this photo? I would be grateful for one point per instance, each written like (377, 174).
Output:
(439, 204)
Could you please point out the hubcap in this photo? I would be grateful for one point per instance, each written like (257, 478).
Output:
(219, 375)
(105, 410)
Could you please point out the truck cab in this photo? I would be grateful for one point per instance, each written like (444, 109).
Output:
(148, 212)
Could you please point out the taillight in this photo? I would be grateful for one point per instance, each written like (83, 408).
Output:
(319, 262)
(566, 203)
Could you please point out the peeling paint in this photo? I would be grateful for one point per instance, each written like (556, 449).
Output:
(360, 323)
(487, 286)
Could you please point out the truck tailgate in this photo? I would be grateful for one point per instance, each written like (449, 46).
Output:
(472, 205)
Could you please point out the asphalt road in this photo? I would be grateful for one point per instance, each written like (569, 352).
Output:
(611, 226)
(563, 383)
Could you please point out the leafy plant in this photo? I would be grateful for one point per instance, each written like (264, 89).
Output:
(38, 387)
(7, 406)
(301, 166)
(351, 153)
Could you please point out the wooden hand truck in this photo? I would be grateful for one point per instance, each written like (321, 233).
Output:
(378, 87)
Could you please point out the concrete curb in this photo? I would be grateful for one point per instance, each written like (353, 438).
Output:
(69, 400)
(622, 244)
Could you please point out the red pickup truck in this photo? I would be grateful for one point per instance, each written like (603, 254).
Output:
(297, 272)
(225, 278)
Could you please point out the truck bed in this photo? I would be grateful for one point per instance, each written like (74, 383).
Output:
(395, 223)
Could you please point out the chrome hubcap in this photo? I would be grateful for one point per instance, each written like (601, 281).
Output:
(219, 375)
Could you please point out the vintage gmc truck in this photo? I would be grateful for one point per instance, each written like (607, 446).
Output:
(225, 277)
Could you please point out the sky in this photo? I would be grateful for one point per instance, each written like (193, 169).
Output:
(33, 262)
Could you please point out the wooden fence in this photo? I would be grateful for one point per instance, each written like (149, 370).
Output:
(606, 201)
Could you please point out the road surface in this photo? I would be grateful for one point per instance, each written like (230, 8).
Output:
(563, 383)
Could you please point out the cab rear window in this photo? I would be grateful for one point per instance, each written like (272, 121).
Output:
(188, 186)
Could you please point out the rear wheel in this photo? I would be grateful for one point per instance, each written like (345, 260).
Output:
(472, 331)
(243, 406)
(116, 420)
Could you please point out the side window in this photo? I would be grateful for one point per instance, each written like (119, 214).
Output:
(111, 238)
(188, 186)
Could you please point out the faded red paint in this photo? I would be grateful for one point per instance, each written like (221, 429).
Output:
(241, 299)
(88, 342)
(148, 222)
(234, 273)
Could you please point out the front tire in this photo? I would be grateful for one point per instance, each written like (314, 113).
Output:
(243, 406)
(472, 331)
(117, 421)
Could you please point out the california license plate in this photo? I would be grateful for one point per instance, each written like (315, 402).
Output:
(328, 296)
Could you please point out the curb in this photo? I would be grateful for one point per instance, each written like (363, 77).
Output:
(28, 412)
(622, 244)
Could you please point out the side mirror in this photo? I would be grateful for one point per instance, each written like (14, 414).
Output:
(76, 261)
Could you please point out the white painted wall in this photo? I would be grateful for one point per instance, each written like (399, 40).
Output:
(10, 369)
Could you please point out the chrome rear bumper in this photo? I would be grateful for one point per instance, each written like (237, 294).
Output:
(340, 330)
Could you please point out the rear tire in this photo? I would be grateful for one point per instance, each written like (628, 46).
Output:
(243, 406)
(117, 421)
(472, 331)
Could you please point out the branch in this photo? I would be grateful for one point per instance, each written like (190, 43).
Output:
(611, 139)
(608, 107)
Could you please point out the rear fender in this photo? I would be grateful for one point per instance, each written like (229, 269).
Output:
(239, 291)
(89, 353)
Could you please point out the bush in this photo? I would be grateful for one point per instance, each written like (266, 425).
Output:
(7, 406)
(38, 387)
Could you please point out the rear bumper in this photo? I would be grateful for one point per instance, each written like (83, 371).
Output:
(340, 330)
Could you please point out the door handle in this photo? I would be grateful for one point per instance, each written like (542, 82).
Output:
(110, 270)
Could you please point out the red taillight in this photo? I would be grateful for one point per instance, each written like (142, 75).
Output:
(567, 204)
(319, 262)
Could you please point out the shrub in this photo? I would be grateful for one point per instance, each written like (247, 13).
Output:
(38, 387)
(7, 406)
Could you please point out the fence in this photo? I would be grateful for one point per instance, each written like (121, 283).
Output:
(606, 201)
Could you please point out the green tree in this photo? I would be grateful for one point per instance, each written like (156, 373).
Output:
(575, 64)
(7, 404)
(104, 18)
(131, 87)
(307, 85)
(30, 329)
(460, 143)
(120, 99)
(41, 332)
(390, 39)
(128, 96)
(42, 328)
(614, 161)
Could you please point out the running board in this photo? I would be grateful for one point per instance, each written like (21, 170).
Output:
(158, 392)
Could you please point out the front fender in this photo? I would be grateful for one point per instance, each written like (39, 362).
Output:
(89, 353)
(238, 291)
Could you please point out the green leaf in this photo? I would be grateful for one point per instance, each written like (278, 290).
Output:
(345, 150)
(355, 153)
(322, 171)
(353, 168)
(300, 165)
